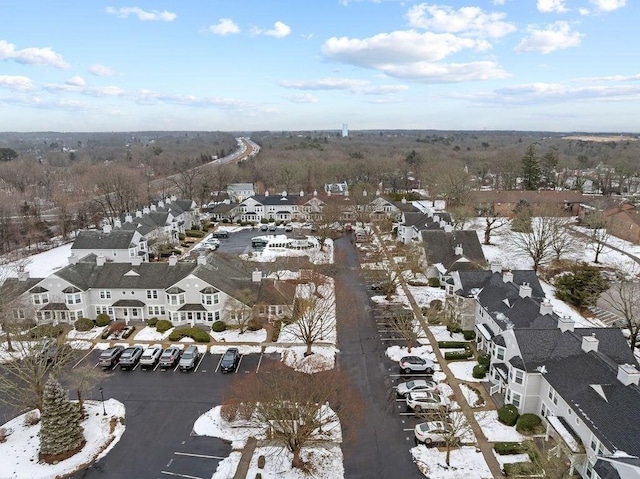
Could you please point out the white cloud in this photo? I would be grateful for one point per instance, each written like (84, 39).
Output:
(609, 5)
(549, 39)
(302, 98)
(360, 87)
(426, 72)
(16, 82)
(76, 81)
(143, 15)
(225, 26)
(466, 20)
(549, 6)
(279, 30)
(32, 56)
(101, 70)
(399, 47)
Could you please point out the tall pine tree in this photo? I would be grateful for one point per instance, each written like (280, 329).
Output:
(61, 433)
(530, 169)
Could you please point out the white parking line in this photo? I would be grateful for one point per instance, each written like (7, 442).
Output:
(199, 455)
(218, 365)
(82, 359)
(259, 362)
(180, 475)
(239, 363)
(195, 370)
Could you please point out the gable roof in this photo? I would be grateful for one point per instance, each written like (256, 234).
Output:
(440, 247)
(115, 239)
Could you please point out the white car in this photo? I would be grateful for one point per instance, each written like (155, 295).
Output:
(421, 401)
(150, 357)
(416, 364)
(432, 432)
(417, 385)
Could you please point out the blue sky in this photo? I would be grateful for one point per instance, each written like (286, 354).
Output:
(557, 65)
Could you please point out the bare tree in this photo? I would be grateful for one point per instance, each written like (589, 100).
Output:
(624, 298)
(453, 427)
(562, 242)
(403, 323)
(293, 409)
(537, 244)
(598, 234)
(460, 216)
(83, 380)
(492, 222)
(185, 180)
(241, 310)
(313, 312)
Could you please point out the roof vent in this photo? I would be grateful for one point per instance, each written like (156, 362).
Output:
(507, 277)
(525, 290)
(590, 343)
(628, 374)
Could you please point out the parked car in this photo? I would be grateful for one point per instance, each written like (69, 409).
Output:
(130, 357)
(170, 357)
(272, 227)
(110, 356)
(416, 364)
(432, 432)
(213, 240)
(220, 234)
(417, 385)
(264, 227)
(189, 358)
(288, 228)
(421, 401)
(230, 360)
(53, 351)
(150, 357)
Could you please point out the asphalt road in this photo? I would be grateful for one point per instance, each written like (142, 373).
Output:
(380, 448)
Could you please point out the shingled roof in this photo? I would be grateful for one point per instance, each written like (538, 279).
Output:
(440, 247)
(92, 239)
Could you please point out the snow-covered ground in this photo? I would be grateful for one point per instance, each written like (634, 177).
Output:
(463, 370)
(20, 451)
(494, 430)
(465, 462)
(269, 254)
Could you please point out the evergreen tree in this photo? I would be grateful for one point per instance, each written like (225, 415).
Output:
(521, 222)
(530, 169)
(61, 434)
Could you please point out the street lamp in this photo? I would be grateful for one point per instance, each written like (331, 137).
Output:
(104, 411)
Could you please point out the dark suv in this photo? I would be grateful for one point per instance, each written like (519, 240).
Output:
(110, 356)
(220, 234)
(230, 360)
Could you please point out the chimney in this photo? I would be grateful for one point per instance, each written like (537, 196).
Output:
(628, 374)
(329, 193)
(173, 198)
(284, 194)
(457, 250)
(590, 343)
(160, 204)
(73, 258)
(496, 267)
(546, 307)
(145, 210)
(404, 200)
(448, 228)
(153, 207)
(266, 193)
(256, 276)
(436, 218)
(106, 229)
(100, 260)
(23, 275)
(128, 218)
(138, 214)
(565, 323)
(173, 260)
(443, 223)
(507, 277)
(201, 259)
(525, 290)
(315, 192)
(377, 192)
(301, 193)
(136, 260)
(117, 224)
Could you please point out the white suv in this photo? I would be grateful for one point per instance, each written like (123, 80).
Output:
(431, 432)
(150, 357)
(422, 401)
(416, 364)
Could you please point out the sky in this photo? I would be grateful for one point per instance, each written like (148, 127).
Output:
(248, 65)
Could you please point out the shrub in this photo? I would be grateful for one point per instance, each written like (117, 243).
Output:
(469, 334)
(521, 469)
(128, 331)
(258, 475)
(434, 282)
(152, 321)
(229, 411)
(254, 324)
(102, 320)
(479, 371)
(163, 325)
(484, 359)
(46, 331)
(452, 344)
(219, 326)
(3, 434)
(32, 418)
(196, 334)
(83, 324)
(508, 414)
(454, 328)
(508, 448)
(458, 355)
(117, 327)
(195, 233)
(436, 305)
(528, 423)
(581, 286)
(181, 236)
(261, 462)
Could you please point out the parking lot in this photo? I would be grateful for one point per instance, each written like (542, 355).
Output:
(162, 406)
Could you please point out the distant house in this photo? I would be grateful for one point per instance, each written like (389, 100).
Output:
(165, 220)
(238, 192)
(119, 246)
(623, 221)
(411, 224)
(504, 202)
(336, 188)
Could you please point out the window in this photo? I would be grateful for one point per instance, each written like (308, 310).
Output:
(553, 396)
(152, 294)
(596, 445)
(518, 376)
(515, 399)
(156, 310)
(544, 410)
(275, 309)
(75, 298)
(18, 314)
(210, 299)
(42, 298)
(105, 294)
(104, 310)
(499, 352)
(176, 299)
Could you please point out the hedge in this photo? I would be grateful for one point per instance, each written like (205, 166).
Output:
(484, 360)
(196, 334)
(434, 282)
(528, 423)
(219, 326)
(508, 414)
(452, 344)
(152, 321)
(163, 325)
(508, 448)
(195, 233)
(469, 334)
(83, 324)
(521, 469)
(454, 328)
(46, 331)
(458, 355)
(254, 324)
(102, 320)
(479, 371)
